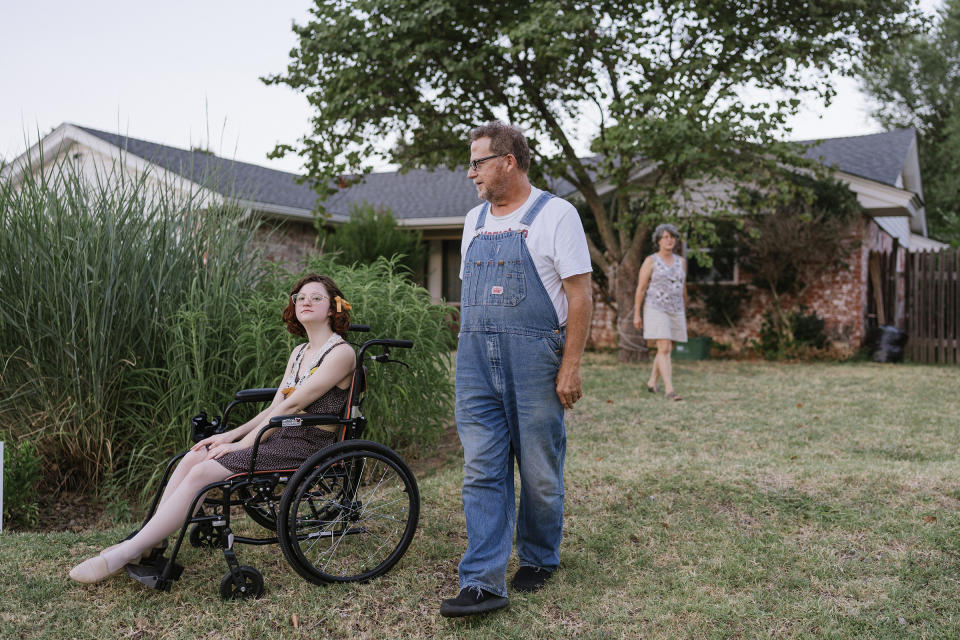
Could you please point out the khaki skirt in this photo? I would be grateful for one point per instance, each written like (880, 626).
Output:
(660, 325)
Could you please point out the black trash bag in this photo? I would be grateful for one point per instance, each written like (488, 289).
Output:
(888, 344)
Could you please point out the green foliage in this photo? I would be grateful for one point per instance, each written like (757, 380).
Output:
(808, 231)
(404, 407)
(804, 337)
(216, 342)
(371, 234)
(656, 83)
(916, 85)
(127, 308)
(92, 273)
(21, 477)
(805, 231)
(721, 302)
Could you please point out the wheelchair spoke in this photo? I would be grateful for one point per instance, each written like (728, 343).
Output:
(353, 517)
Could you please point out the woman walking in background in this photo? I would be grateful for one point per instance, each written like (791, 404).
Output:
(659, 306)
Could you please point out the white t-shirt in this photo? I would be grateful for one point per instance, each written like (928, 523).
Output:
(555, 240)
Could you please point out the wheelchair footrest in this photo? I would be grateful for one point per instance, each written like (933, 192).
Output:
(152, 575)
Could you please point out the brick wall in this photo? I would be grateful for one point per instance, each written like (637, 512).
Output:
(839, 296)
(287, 243)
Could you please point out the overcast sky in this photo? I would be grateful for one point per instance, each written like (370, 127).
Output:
(187, 73)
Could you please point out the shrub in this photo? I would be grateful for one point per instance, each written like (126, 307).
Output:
(371, 234)
(721, 302)
(406, 407)
(806, 336)
(21, 476)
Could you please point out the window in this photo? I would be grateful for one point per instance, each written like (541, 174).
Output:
(451, 270)
(724, 269)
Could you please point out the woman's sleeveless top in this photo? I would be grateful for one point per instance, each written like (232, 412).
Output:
(665, 292)
(334, 400)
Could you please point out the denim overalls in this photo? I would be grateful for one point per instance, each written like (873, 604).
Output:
(508, 357)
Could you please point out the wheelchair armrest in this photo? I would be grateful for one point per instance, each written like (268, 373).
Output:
(305, 419)
(255, 395)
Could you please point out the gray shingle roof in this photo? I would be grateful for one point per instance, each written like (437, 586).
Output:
(229, 177)
(438, 193)
(878, 156)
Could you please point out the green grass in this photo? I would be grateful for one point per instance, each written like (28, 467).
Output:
(778, 500)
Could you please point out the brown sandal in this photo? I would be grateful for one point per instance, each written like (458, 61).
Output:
(673, 396)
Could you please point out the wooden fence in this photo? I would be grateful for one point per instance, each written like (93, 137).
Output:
(933, 307)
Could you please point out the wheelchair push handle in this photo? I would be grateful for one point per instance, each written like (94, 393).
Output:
(386, 343)
(400, 344)
(362, 328)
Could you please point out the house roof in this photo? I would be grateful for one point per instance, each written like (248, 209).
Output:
(229, 177)
(443, 196)
(879, 156)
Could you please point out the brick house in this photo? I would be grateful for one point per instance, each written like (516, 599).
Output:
(881, 169)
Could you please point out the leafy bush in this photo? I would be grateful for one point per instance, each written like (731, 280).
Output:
(21, 476)
(371, 234)
(721, 302)
(806, 335)
(92, 272)
(405, 407)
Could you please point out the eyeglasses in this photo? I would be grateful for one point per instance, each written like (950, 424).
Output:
(475, 164)
(300, 298)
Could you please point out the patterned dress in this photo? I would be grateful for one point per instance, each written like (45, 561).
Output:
(289, 447)
(664, 315)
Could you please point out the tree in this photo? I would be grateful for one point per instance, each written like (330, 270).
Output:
(790, 247)
(657, 87)
(918, 85)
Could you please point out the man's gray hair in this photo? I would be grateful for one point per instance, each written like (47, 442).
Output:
(661, 229)
(504, 139)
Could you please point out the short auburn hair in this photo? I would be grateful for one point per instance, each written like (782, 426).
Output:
(339, 320)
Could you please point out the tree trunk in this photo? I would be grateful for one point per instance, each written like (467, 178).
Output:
(630, 344)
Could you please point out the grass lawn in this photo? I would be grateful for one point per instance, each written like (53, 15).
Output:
(777, 500)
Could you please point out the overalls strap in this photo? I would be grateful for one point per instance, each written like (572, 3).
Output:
(528, 217)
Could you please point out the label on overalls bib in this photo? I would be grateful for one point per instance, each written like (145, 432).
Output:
(496, 290)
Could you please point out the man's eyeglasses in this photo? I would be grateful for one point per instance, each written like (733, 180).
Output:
(475, 164)
(300, 298)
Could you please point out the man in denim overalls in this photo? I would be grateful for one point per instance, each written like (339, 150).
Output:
(525, 310)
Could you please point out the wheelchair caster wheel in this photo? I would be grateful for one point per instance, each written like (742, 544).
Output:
(203, 535)
(251, 584)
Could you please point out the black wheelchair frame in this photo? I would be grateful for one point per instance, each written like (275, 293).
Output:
(347, 514)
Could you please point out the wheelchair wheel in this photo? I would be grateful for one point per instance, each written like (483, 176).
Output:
(204, 535)
(349, 513)
(261, 512)
(251, 584)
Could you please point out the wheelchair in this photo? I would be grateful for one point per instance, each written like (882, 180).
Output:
(347, 514)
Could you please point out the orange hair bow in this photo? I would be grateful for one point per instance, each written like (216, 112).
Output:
(342, 304)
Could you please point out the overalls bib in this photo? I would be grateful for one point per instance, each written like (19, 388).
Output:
(507, 407)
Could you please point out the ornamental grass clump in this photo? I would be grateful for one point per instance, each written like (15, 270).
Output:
(405, 407)
(96, 270)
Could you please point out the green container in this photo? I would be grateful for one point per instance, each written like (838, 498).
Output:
(693, 349)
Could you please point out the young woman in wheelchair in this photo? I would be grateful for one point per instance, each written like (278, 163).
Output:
(316, 380)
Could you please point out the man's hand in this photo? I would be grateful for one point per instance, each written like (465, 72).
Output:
(569, 389)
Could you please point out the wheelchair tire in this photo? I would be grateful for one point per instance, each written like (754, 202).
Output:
(349, 513)
(251, 587)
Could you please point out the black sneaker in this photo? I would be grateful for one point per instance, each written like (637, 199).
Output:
(528, 579)
(470, 601)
